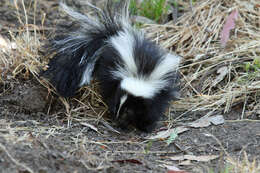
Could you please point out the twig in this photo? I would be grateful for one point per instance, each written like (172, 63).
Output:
(144, 152)
(219, 142)
(243, 120)
(14, 160)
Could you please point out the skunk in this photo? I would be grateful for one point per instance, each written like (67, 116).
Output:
(137, 78)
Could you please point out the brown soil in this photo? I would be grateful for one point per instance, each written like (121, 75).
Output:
(35, 138)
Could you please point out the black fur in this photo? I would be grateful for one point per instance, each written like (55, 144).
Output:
(88, 50)
(140, 112)
(64, 71)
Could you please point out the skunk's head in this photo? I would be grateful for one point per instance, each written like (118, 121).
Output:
(138, 79)
(139, 112)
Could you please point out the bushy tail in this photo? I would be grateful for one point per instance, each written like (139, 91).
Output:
(75, 54)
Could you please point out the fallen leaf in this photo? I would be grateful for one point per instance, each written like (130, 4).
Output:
(170, 171)
(174, 169)
(207, 121)
(217, 120)
(202, 122)
(103, 147)
(223, 71)
(167, 133)
(204, 158)
(90, 126)
(178, 158)
(185, 163)
(5, 44)
(172, 137)
(228, 26)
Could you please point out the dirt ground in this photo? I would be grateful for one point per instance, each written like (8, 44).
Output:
(35, 138)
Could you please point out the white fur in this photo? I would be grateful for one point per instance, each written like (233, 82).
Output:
(124, 44)
(140, 87)
(123, 16)
(73, 41)
(87, 75)
(79, 16)
(148, 86)
(122, 101)
(169, 63)
(137, 85)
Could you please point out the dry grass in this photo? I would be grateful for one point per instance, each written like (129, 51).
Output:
(242, 165)
(22, 57)
(24, 60)
(195, 37)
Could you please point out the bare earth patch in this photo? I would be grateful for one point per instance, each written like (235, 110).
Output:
(40, 132)
(44, 143)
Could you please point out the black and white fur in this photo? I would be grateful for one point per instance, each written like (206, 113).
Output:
(137, 77)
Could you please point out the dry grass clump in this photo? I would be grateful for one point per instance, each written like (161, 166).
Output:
(216, 78)
(20, 54)
(243, 165)
(213, 77)
(23, 56)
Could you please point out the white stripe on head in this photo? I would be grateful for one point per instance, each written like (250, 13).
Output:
(123, 42)
(137, 84)
(141, 87)
(148, 86)
(122, 101)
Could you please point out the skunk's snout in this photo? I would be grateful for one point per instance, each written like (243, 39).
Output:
(135, 111)
(137, 77)
(125, 118)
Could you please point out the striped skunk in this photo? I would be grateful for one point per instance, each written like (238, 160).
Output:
(137, 77)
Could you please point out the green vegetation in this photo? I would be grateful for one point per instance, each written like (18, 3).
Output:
(172, 137)
(153, 9)
(148, 146)
(227, 169)
(255, 65)
(252, 72)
